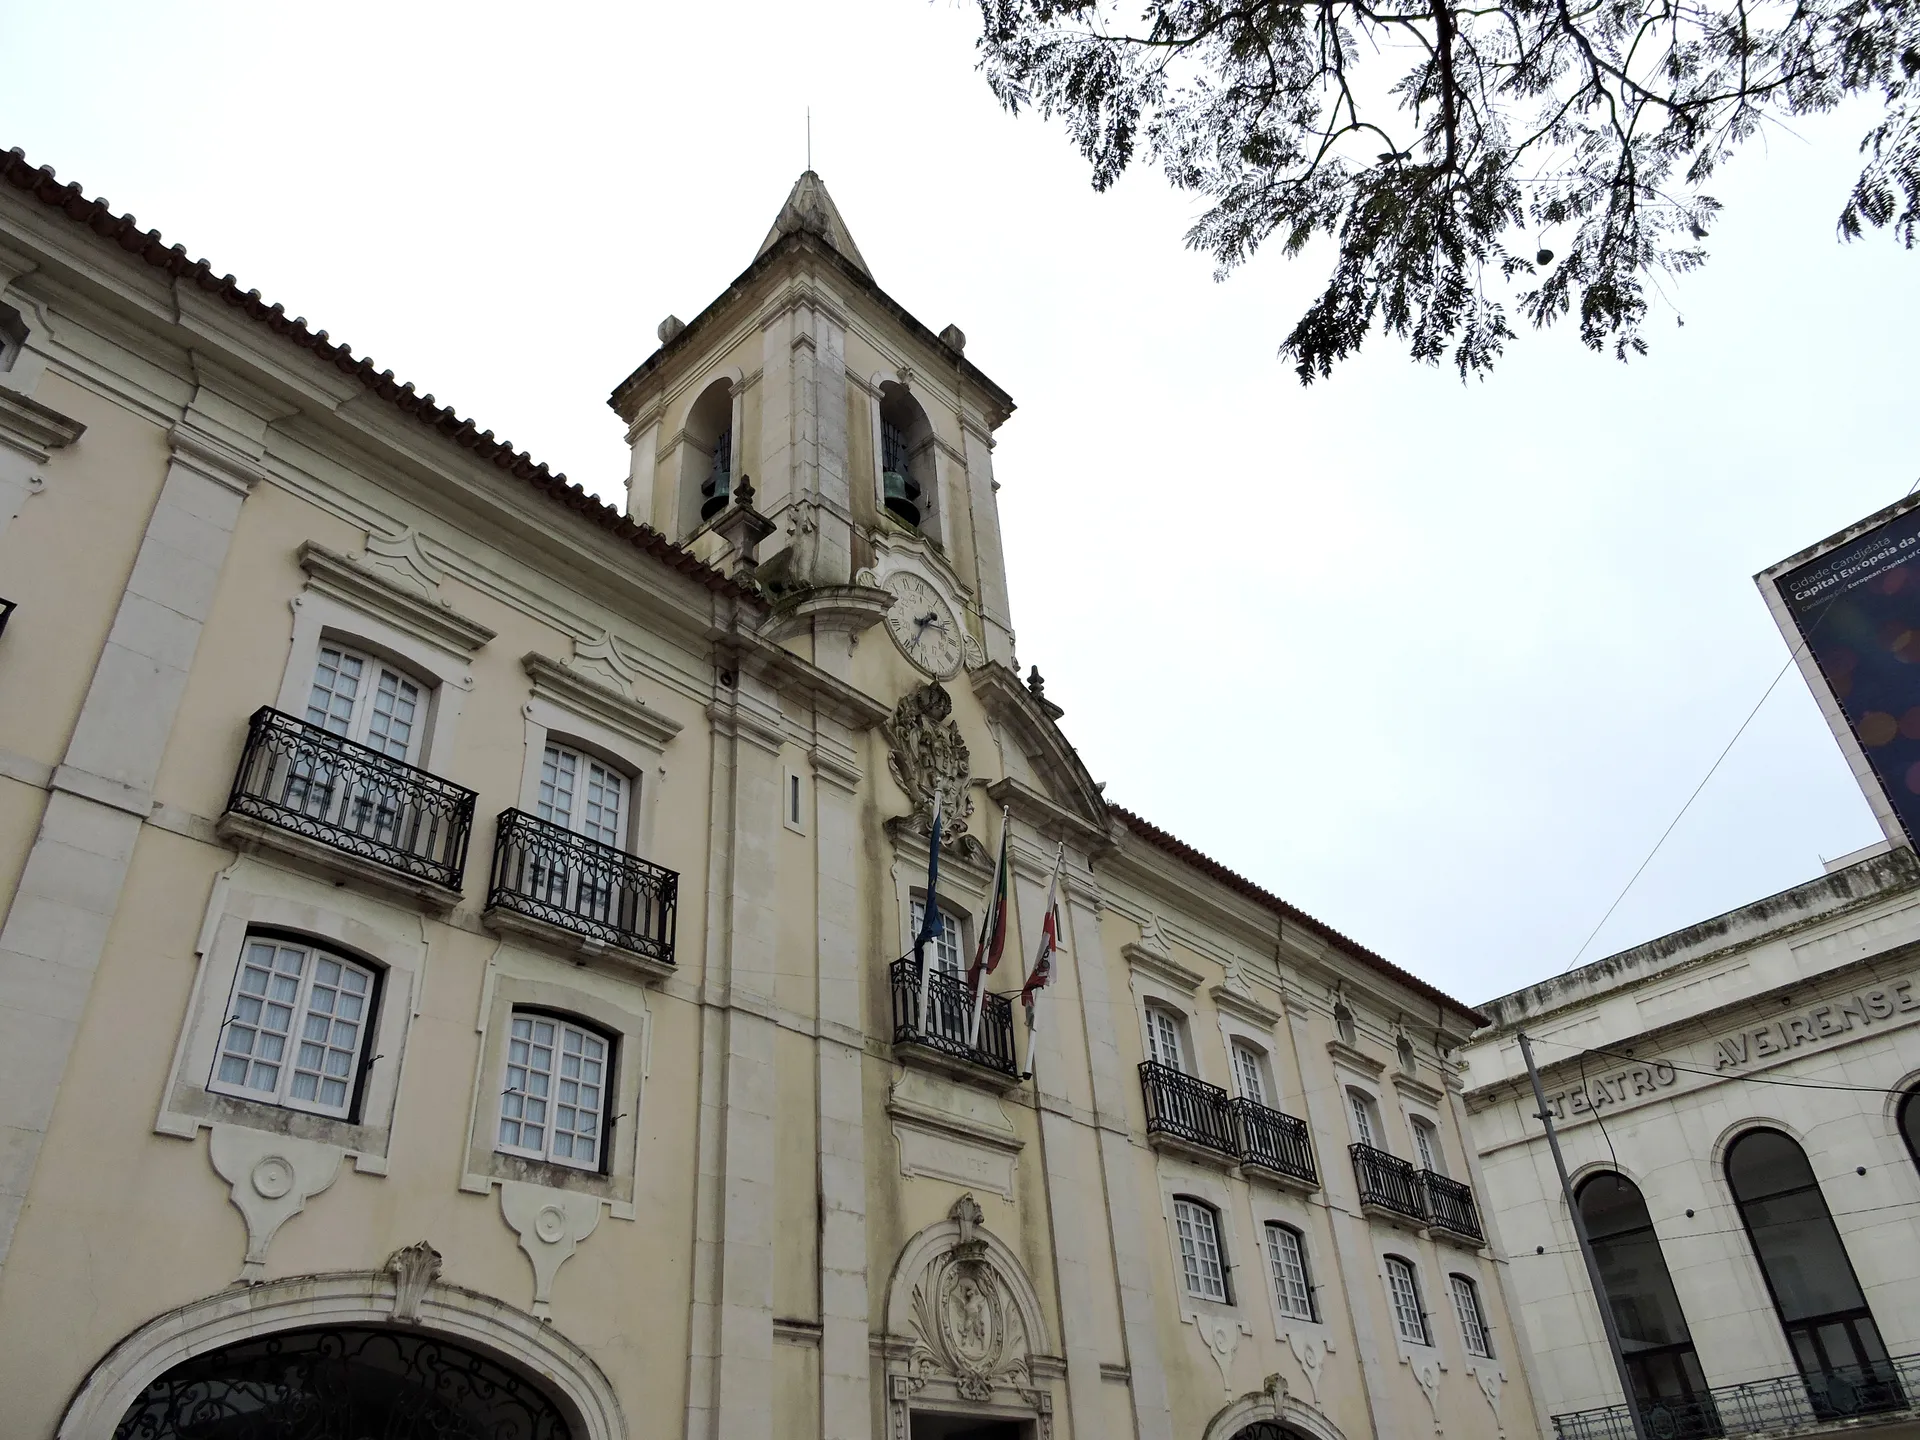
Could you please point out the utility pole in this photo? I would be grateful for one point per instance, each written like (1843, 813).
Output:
(1586, 1245)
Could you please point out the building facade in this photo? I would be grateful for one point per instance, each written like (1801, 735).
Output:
(1739, 1106)
(451, 977)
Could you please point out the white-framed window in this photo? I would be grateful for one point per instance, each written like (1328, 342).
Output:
(1403, 1286)
(1366, 1124)
(1164, 1045)
(944, 950)
(1200, 1256)
(1426, 1144)
(1292, 1283)
(553, 1101)
(583, 794)
(1249, 1073)
(365, 699)
(1473, 1323)
(296, 1027)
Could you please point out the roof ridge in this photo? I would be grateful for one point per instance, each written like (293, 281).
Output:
(97, 215)
(1233, 880)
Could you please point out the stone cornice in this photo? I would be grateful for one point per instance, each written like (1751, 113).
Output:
(1355, 1059)
(1236, 1002)
(1417, 1089)
(799, 679)
(34, 429)
(1160, 966)
(1055, 822)
(331, 573)
(597, 701)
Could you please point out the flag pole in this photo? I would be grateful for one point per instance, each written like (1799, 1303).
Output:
(1050, 940)
(983, 960)
(929, 916)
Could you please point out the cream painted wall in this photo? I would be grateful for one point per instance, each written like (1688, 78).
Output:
(791, 1166)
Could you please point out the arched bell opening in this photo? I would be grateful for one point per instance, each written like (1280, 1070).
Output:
(709, 466)
(343, 1383)
(907, 481)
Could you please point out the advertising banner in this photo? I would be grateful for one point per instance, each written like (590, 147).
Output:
(1856, 610)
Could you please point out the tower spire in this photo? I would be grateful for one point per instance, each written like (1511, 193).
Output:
(809, 207)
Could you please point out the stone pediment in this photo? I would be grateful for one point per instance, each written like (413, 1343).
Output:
(1057, 764)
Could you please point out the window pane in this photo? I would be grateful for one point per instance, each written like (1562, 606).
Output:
(1163, 1039)
(1407, 1320)
(1793, 1235)
(336, 683)
(390, 726)
(1246, 1069)
(555, 1091)
(1289, 1272)
(1633, 1270)
(260, 1018)
(1200, 1250)
(943, 951)
(292, 1003)
(606, 790)
(557, 770)
(1362, 1117)
(1425, 1148)
(1473, 1327)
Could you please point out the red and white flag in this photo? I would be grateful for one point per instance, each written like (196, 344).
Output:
(1044, 967)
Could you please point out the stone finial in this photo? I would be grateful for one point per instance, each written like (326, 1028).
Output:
(743, 492)
(1036, 684)
(743, 527)
(670, 327)
(954, 338)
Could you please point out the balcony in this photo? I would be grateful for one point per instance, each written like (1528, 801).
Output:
(1273, 1143)
(1388, 1184)
(584, 896)
(941, 1036)
(1188, 1113)
(1450, 1208)
(349, 809)
(1788, 1405)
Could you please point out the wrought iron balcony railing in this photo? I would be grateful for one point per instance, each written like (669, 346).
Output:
(949, 1014)
(312, 783)
(1187, 1109)
(1784, 1405)
(597, 891)
(1273, 1140)
(1450, 1206)
(1389, 1182)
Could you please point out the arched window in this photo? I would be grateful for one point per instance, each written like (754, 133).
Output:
(1646, 1311)
(1409, 1062)
(1473, 1320)
(296, 1027)
(1203, 1259)
(1409, 1314)
(1808, 1272)
(707, 469)
(1292, 1280)
(1910, 1122)
(553, 1104)
(1343, 1025)
(1249, 1072)
(1426, 1145)
(1366, 1119)
(1166, 1044)
(907, 475)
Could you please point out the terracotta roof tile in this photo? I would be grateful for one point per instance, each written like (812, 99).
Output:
(123, 230)
(1161, 840)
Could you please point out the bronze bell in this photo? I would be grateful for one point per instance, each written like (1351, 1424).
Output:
(902, 495)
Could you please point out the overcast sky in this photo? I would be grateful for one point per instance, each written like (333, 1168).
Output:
(1435, 662)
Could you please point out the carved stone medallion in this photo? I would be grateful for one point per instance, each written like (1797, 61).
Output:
(928, 757)
(967, 1325)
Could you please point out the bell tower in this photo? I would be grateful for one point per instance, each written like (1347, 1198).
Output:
(858, 437)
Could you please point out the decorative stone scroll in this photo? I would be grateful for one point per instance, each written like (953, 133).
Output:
(928, 757)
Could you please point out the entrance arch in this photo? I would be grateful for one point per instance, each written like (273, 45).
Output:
(343, 1383)
(1271, 1414)
(308, 1323)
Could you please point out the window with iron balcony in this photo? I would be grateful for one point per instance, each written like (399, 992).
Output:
(937, 1020)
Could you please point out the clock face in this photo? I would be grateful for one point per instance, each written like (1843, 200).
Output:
(923, 626)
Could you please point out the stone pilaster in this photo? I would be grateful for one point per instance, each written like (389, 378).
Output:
(990, 561)
(730, 1364)
(1352, 1247)
(1147, 1387)
(56, 929)
(846, 1397)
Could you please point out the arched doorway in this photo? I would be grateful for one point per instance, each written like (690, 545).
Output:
(343, 1383)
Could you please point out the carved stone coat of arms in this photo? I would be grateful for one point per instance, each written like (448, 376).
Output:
(928, 757)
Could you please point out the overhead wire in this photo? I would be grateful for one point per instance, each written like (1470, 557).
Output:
(1712, 769)
(1539, 1250)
